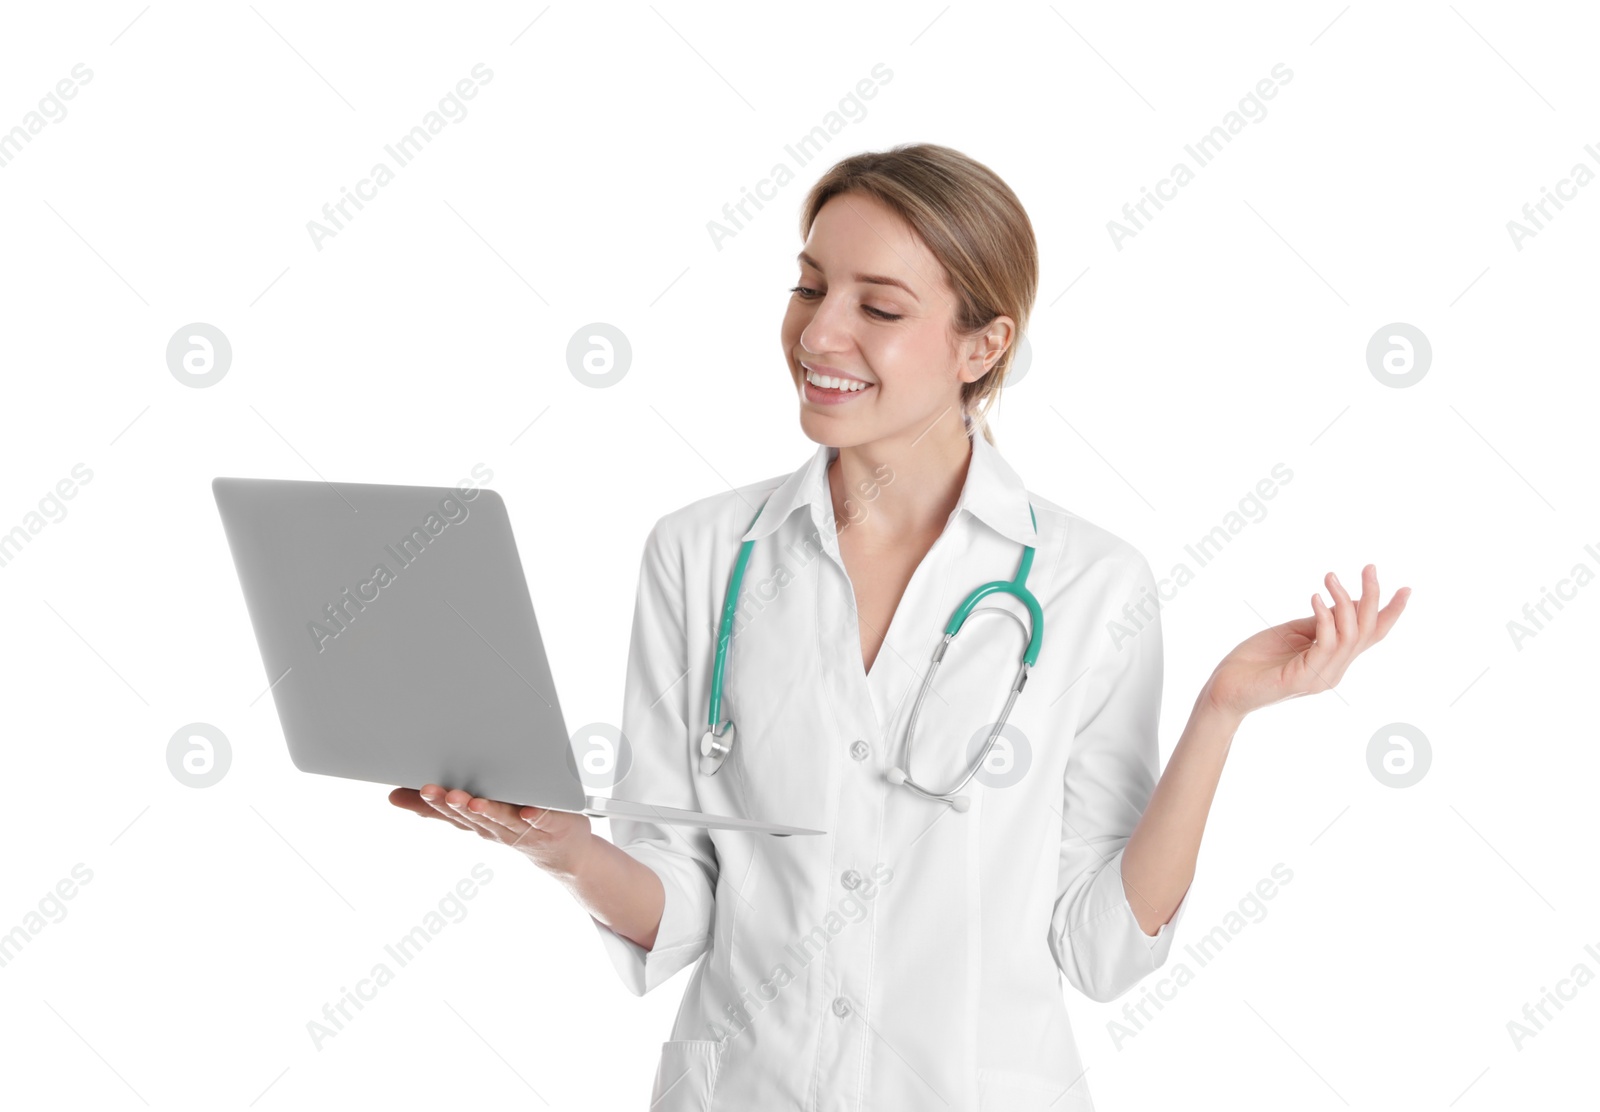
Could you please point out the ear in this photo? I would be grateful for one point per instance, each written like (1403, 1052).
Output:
(983, 351)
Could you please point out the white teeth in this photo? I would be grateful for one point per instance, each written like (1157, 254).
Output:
(849, 385)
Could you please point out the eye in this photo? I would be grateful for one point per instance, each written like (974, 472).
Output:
(806, 293)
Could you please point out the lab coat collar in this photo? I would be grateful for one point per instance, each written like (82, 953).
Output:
(993, 493)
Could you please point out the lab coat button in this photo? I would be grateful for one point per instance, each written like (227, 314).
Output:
(850, 879)
(859, 750)
(841, 1006)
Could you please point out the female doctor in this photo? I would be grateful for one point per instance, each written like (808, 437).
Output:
(911, 956)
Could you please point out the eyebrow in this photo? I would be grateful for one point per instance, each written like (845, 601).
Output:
(871, 279)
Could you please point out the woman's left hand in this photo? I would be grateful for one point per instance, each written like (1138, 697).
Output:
(1306, 655)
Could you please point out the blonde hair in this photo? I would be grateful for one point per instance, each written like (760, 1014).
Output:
(971, 222)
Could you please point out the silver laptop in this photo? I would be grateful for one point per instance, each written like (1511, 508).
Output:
(401, 645)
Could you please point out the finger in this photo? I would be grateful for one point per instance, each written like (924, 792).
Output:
(457, 799)
(1319, 655)
(408, 799)
(1347, 620)
(434, 796)
(1344, 615)
(534, 818)
(502, 814)
(508, 817)
(1391, 613)
(1367, 608)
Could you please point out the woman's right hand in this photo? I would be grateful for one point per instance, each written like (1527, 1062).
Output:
(556, 841)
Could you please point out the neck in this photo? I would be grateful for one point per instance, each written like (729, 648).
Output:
(900, 486)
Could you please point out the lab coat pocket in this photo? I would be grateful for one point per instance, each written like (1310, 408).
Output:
(1028, 1092)
(686, 1075)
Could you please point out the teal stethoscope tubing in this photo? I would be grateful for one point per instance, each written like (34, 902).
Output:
(714, 749)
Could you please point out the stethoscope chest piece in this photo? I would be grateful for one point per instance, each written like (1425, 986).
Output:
(714, 749)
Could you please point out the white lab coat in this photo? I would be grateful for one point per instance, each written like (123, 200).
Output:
(912, 956)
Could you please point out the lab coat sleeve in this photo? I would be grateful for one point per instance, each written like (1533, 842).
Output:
(657, 725)
(1111, 772)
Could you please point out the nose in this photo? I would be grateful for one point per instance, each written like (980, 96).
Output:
(829, 327)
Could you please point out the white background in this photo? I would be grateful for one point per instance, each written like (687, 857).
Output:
(1167, 379)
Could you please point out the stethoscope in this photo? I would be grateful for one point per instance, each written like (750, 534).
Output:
(718, 740)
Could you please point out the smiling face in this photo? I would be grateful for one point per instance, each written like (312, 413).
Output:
(874, 307)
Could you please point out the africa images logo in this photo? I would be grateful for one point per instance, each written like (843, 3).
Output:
(452, 511)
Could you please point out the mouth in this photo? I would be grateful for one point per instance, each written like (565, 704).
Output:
(832, 389)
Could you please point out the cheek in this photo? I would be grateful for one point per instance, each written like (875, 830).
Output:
(902, 359)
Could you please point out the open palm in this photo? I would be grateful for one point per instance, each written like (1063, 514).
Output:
(1306, 655)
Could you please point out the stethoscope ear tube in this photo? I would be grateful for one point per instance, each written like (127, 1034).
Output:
(717, 742)
(899, 775)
